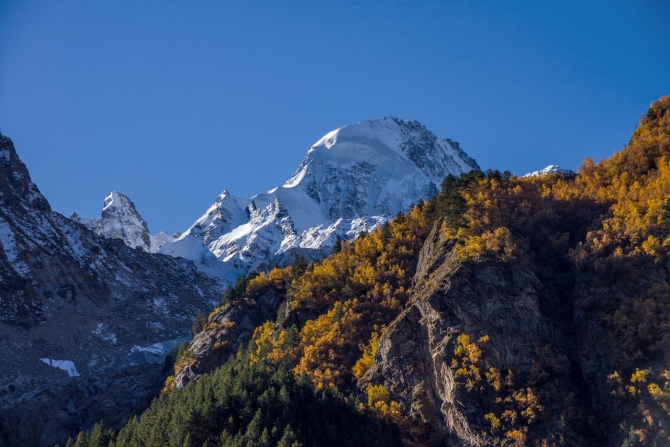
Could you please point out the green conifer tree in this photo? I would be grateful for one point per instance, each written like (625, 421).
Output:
(337, 247)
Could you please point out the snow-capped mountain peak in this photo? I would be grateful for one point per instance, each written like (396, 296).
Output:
(116, 200)
(551, 169)
(383, 140)
(351, 180)
(226, 213)
(119, 220)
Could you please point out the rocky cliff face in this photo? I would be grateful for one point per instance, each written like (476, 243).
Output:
(72, 302)
(352, 180)
(414, 360)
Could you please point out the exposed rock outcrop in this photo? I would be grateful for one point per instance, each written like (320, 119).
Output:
(491, 298)
(548, 327)
(229, 328)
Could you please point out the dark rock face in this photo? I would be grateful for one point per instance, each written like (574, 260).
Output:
(52, 414)
(15, 184)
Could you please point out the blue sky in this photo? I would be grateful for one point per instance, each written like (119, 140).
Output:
(173, 101)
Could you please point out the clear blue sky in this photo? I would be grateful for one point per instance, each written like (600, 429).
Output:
(173, 101)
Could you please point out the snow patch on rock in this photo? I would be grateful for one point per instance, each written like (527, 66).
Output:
(155, 353)
(65, 365)
(101, 332)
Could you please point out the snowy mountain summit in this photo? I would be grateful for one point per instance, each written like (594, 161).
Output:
(351, 180)
(119, 220)
(551, 169)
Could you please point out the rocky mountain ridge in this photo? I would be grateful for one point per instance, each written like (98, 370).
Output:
(75, 303)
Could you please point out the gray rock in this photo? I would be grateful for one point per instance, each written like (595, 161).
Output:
(52, 414)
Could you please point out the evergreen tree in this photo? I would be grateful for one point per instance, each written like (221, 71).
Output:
(289, 438)
(237, 293)
(299, 266)
(199, 323)
(82, 440)
(337, 247)
(100, 437)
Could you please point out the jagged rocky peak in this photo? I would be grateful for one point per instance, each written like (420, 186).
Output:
(351, 180)
(120, 220)
(226, 213)
(551, 169)
(16, 188)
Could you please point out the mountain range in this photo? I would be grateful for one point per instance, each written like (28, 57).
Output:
(352, 180)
